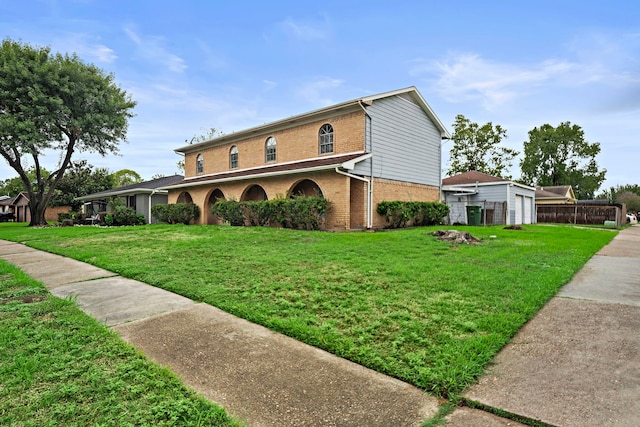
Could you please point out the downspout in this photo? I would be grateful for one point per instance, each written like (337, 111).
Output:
(370, 180)
(150, 197)
(368, 192)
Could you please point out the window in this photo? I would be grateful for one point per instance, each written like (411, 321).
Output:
(233, 157)
(325, 139)
(270, 150)
(199, 164)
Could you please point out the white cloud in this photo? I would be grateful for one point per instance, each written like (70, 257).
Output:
(305, 30)
(468, 77)
(318, 91)
(152, 49)
(85, 46)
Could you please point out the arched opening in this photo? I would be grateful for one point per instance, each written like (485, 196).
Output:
(185, 197)
(253, 193)
(306, 188)
(214, 196)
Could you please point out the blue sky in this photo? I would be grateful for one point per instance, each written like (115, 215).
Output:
(192, 65)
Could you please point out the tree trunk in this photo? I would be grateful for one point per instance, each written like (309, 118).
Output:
(38, 209)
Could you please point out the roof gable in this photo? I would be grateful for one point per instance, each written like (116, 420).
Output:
(556, 191)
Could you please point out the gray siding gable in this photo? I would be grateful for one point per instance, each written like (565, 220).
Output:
(405, 142)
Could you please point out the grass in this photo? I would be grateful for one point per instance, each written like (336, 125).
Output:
(58, 366)
(401, 302)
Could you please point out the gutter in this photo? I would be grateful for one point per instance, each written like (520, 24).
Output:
(151, 197)
(369, 204)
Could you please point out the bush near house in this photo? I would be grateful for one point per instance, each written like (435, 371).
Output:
(304, 213)
(176, 213)
(123, 215)
(402, 214)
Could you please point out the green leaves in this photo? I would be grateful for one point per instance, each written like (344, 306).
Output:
(561, 156)
(477, 148)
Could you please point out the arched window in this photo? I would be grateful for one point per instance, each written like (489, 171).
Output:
(270, 150)
(233, 157)
(199, 164)
(325, 139)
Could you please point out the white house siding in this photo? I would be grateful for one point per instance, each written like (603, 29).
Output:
(521, 205)
(405, 143)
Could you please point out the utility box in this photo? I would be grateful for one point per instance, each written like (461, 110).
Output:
(474, 215)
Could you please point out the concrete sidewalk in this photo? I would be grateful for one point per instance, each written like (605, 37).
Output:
(264, 378)
(577, 362)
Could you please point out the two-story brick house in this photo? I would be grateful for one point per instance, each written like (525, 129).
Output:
(355, 154)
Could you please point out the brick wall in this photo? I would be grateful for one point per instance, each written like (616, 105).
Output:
(387, 190)
(334, 187)
(51, 214)
(295, 143)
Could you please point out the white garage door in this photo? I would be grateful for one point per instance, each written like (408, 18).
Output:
(519, 209)
(527, 210)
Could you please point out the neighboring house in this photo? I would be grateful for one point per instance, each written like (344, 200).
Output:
(20, 207)
(140, 197)
(555, 195)
(502, 201)
(6, 203)
(355, 154)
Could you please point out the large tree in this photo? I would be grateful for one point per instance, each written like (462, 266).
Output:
(561, 156)
(125, 177)
(55, 102)
(478, 148)
(79, 180)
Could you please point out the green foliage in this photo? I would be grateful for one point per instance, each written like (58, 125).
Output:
(306, 213)
(125, 177)
(60, 367)
(401, 214)
(122, 215)
(14, 186)
(176, 213)
(478, 148)
(561, 156)
(230, 211)
(79, 180)
(55, 102)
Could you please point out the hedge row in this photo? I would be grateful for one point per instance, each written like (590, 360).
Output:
(176, 213)
(307, 213)
(402, 214)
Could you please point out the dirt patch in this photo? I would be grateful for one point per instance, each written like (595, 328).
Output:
(455, 236)
(26, 299)
(514, 227)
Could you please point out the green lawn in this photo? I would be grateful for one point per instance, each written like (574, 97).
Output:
(59, 366)
(400, 302)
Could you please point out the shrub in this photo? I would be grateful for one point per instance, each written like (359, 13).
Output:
(306, 213)
(62, 216)
(401, 214)
(176, 213)
(229, 210)
(123, 215)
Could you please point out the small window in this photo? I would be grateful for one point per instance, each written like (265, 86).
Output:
(325, 139)
(270, 150)
(199, 164)
(233, 157)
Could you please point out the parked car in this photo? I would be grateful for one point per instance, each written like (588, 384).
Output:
(7, 216)
(631, 219)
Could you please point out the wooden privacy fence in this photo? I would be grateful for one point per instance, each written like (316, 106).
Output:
(579, 214)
